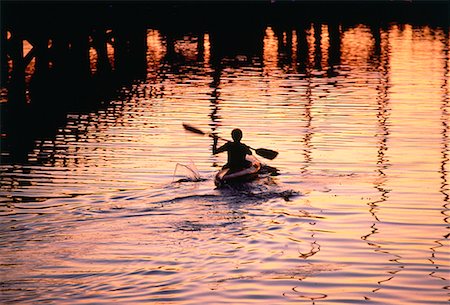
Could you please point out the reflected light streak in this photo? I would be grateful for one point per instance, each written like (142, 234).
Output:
(207, 49)
(93, 58)
(325, 45)
(155, 50)
(270, 51)
(310, 40)
(356, 45)
(187, 47)
(294, 49)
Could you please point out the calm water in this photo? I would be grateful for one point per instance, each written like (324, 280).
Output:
(358, 215)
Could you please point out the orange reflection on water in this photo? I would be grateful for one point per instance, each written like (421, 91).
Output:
(324, 46)
(310, 40)
(366, 148)
(270, 51)
(93, 59)
(187, 47)
(415, 139)
(294, 49)
(357, 44)
(155, 50)
(207, 49)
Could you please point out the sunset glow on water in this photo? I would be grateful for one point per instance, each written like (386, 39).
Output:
(358, 214)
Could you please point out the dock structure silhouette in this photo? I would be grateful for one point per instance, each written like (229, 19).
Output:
(62, 33)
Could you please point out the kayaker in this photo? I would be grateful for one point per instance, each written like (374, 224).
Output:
(236, 151)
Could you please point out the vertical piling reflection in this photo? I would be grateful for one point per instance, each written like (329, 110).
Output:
(444, 187)
(334, 51)
(215, 61)
(215, 93)
(301, 48)
(317, 54)
(383, 112)
(381, 61)
(307, 52)
(308, 133)
(445, 128)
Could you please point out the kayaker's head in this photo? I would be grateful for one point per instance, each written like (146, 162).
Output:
(236, 134)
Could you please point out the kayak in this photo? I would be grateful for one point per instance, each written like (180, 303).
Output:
(224, 176)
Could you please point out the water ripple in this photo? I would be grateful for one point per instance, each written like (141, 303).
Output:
(120, 205)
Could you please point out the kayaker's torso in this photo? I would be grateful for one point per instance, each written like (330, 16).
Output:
(236, 155)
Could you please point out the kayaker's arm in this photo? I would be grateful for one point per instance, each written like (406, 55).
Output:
(249, 151)
(220, 149)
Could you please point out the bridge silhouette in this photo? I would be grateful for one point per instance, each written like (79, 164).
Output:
(62, 33)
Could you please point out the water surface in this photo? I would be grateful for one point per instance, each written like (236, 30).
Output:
(358, 215)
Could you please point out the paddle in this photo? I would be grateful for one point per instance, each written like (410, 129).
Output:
(263, 152)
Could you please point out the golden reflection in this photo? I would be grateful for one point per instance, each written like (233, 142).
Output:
(356, 47)
(294, 49)
(310, 40)
(155, 50)
(324, 46)
(373, 139)
(206, 49)
(187, 47)
(270, 51)
(93, 59)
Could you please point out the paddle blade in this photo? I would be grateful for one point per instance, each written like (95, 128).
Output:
(266, 153)
(192, 129)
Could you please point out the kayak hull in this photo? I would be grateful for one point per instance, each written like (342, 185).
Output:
(243, 175)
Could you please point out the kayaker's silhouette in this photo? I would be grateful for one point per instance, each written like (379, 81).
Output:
(237, 151)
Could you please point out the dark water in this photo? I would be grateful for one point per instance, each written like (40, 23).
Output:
(357, 215)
